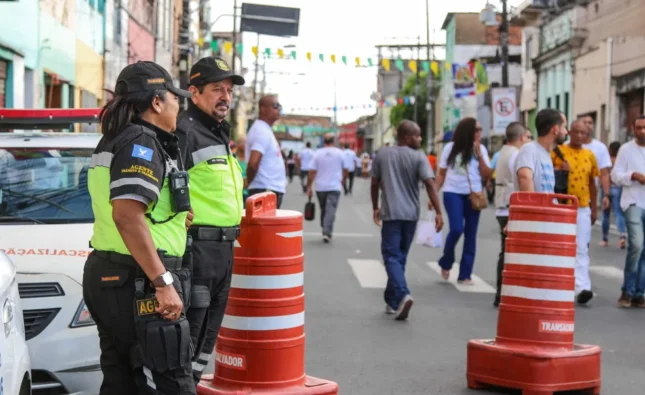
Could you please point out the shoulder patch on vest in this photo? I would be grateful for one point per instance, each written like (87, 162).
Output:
(217, 161)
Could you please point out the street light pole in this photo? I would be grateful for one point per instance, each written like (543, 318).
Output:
(429, 123)
(503, 29)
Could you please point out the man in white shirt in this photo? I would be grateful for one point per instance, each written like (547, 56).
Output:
(328, 173)
(349, 158)
(629, 172)
(266, 171)
(603, 160)
(516, 136)
(306, 156)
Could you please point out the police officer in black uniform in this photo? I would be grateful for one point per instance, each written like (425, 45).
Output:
(216, 195)
(135, 278)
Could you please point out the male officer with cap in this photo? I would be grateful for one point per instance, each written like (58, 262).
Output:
(216, 186)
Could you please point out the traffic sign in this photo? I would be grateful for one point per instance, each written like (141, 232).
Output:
(504, 108)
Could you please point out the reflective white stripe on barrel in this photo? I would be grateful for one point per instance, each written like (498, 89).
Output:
(515, 258)
(263, 323)
(289, 235)
(268, 282)
(554, 228)
(548, 295)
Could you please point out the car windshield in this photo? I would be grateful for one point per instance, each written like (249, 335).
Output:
(45, 185)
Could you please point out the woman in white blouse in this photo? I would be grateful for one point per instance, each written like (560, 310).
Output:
(463, 167)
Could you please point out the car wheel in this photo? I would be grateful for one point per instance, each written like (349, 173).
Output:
(25, 387)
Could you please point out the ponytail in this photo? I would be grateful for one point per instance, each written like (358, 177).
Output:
(117, 113)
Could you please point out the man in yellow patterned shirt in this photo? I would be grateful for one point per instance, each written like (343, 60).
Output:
(583, 171)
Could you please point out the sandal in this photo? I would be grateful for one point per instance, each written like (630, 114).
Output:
(465, 282)
(622, 242)
(445, 274)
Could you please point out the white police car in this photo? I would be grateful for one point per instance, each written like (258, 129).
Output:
(15, 373)
(45, 227)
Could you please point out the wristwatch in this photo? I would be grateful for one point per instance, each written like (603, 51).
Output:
(163, 280)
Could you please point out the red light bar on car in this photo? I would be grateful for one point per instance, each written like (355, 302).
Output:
(47, 118)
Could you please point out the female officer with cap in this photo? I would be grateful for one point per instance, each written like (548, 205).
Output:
(130, 283)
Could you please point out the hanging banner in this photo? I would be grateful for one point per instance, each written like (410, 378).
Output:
(464, 80)
(504, 109)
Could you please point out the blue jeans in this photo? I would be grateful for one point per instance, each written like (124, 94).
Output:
(634, 283)
(615, 192)
(396, 239)
(463, 219)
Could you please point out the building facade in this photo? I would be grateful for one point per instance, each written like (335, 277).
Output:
(609, 76)
(468, 39)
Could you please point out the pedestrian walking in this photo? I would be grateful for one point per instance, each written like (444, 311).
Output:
(349, 158)
(306, 156)
(600, 151)
(327, 175)
(291, 166)
(533, 165)
(463, 165)
(629, 172)
(581, 183)
(396, 172)
(516, 136)
(216, 194)
(134, 281)
(266, 170)
(615, 192)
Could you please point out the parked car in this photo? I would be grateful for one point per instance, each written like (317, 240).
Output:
(45, 226)
(15, 371)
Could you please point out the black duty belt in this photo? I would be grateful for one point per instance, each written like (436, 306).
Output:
(171, 263)
(214, 234)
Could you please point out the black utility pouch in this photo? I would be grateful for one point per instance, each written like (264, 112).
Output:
(161, 344)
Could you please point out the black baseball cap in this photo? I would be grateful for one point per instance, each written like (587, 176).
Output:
(145, 76)
(211, 69)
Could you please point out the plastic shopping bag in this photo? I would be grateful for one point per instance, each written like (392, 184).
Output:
(426, 233)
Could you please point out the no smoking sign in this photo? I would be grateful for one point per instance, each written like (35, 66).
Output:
(504, 109)
(504, 106)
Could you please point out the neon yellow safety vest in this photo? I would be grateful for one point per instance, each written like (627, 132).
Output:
(216, 181)
(115, 171)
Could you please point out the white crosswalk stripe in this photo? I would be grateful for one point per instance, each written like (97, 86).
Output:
(478, 285)
(369, 272)
(608, 271)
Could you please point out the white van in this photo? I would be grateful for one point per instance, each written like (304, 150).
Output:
(45, 227)
(15, 372)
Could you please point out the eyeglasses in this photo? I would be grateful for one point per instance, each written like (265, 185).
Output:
(276, 106)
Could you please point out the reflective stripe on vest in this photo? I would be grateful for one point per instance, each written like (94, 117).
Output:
(169, 236)
(216, 185)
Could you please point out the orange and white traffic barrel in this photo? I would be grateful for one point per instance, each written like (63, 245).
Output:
(534, 349)
(261, 344)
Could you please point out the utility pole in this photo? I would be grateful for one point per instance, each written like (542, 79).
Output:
(234, 108)
(416, 83)
(503, 30)
(185, 49)
(429, 123)
(255, 78)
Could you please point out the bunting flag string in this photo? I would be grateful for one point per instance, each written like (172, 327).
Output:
(220, 46)
(405, 100)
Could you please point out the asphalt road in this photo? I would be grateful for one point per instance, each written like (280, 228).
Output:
(351, 341)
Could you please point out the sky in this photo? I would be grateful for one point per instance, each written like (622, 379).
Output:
(341, 27)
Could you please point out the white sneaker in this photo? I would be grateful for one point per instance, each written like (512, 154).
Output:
(404, 308)
(389, 310)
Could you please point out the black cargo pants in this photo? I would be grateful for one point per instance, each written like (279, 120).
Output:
(109, 293)
(212, 271)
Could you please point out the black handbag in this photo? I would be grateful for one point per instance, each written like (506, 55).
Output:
(561, 176)
(310, 210)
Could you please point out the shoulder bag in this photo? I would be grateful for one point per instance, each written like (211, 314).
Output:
(478, 200)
